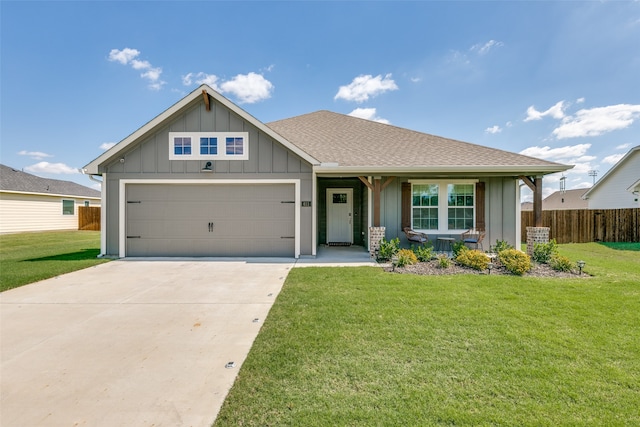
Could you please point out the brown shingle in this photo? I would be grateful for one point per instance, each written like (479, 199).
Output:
(354, 142)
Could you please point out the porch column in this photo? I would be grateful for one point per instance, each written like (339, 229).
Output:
(377, 188)
(535, 184)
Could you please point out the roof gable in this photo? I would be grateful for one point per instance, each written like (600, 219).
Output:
(351, 142)
(635, 151)
(21, 182)
(201, 94)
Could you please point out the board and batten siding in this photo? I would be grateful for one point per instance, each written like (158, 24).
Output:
(149, 159)
(20, 212)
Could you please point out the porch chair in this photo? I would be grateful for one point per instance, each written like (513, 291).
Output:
(415, 237)
(473, 236)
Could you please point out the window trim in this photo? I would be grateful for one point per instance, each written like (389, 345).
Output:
(73, 210)
(443, 203)
(221, 146)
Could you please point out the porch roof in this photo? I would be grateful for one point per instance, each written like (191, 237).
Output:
(349, 144)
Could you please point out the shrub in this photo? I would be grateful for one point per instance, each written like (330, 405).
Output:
(444, 261)
(474, 259)
(502, 245)
(423, 253)
(458, 247)
(542, 252)
(560, 263)
(388, 248)
(406, 257)
(515, 261)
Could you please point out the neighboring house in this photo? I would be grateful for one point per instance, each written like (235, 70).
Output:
(205, 178)
(31, 203)
(619, 188)
(561, 200)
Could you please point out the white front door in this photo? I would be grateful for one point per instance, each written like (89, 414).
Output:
(340, 215)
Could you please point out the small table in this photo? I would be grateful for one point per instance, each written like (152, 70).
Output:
(445, 242)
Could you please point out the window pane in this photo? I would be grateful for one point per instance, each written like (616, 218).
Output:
(235, 146)
(68, 207)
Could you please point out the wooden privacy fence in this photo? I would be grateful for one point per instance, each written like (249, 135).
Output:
(588, 225)
(89, 218)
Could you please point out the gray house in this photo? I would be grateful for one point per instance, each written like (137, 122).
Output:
(205, 178)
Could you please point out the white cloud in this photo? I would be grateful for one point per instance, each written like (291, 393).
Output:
(52, 168)
(556, 111)
(127, 56)
(37, 155)
(580, 101)
(613, 159)
(415, 79)
(248, 88)
(106, 145)
(365, 86)
(566, 152)
(493, 129)
(368, 114)
(483, 49)
(597, 121)
(623, 146)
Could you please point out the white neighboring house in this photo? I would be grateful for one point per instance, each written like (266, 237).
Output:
(619, 188)
(31, 203)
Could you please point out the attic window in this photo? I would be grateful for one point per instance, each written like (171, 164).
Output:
(208, 146)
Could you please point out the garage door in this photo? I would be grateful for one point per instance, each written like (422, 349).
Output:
(210, 220)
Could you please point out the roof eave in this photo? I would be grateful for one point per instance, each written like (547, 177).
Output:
(483, 170)
(34, 193)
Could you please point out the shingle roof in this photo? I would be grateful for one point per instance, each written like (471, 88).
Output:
(569, 199)
(354, 142)
(15, 180)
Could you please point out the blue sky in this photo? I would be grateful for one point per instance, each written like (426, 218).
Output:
(555, 80)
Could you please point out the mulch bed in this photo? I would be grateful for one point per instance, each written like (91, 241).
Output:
(432, 268)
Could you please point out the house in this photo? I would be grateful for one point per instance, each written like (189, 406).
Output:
(31, 203)
(205, 178)
(619, 188)
(561, 200)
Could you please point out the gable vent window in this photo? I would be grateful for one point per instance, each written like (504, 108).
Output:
(208, 146)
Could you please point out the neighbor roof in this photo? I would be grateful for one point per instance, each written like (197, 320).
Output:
(569, 199)
(350, 143)
(16, 181)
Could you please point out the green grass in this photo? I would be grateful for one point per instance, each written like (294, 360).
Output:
(361, 347)
(30, 257)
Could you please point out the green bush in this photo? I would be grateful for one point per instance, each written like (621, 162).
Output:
(444, 261)
(502, 245)
(474, 259)
(423, 253)
(515, 261)
(542, 252)
(560, 263)
(406, 257)
(388, 248)
(458, 247)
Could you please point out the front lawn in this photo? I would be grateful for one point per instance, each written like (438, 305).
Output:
(358, 346)
(29, 257)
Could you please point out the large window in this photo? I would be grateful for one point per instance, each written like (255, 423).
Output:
(208, 145)
(442, 206)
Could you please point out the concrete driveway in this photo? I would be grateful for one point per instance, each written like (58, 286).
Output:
(131, 343)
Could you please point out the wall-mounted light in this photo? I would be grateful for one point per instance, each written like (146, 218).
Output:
(207, 167)
(121, 159)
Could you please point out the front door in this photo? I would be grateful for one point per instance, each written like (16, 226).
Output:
(340, 216)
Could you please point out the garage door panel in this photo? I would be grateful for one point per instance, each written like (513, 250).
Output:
(247, 220)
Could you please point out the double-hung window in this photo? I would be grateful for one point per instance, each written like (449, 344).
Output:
(442, 206)
(208, 145)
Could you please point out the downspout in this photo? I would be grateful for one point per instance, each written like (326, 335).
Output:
(103, 217)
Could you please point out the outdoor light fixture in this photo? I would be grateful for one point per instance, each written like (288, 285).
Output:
(121, 159)
(394, 261)
(580, 265)
(489, 266)
(207, 167)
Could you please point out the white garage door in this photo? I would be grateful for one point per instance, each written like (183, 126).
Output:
(210, 220)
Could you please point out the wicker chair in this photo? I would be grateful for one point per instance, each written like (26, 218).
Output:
(473, 236)
(415, 237)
